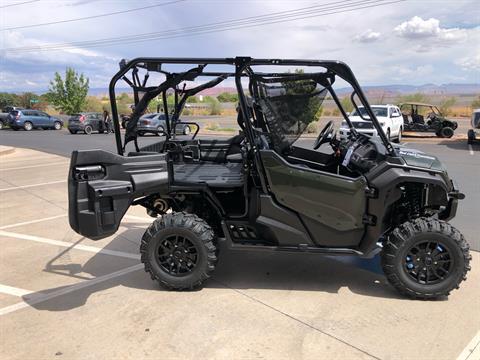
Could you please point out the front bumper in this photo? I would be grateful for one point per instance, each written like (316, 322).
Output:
(345, 132)
(451, 209)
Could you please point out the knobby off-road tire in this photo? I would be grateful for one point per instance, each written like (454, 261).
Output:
(178, 250)
(425, 243)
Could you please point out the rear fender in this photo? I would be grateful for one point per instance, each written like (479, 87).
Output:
(103, 185)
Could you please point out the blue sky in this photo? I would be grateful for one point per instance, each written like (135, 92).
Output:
(410, 42)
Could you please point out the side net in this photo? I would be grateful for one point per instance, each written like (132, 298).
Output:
(289, 106)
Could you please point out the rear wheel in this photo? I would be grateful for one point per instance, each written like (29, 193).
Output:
(57, 125)
(446, 132)
(88, 130)
(178, 251)
(28, 126)
(425, 258)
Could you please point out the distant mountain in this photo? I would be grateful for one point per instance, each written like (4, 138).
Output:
(430, 89)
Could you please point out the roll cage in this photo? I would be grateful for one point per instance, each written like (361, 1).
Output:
(243, 68)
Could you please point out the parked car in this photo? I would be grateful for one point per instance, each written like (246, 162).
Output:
(4, 115)
(28, 119)
(420, 117)
(86, 122)
(474, 133)
(155, 124)
(389, 116)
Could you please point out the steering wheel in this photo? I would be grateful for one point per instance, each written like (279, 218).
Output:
(324, 136)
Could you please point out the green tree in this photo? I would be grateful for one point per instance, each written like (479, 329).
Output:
(227, 97)
(68, 95)
(29, 100)
(8, 99)
(446, 105)
(192, 99)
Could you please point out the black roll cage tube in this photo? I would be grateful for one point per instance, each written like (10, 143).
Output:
(242, 69)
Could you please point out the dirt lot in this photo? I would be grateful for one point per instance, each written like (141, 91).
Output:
(63, 296)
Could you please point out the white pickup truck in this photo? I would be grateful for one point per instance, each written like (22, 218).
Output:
(389, 116)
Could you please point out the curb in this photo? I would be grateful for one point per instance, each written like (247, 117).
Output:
(5, 150)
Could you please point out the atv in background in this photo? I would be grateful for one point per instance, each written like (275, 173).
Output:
(261, 190)
(474, 133)
(419, 117)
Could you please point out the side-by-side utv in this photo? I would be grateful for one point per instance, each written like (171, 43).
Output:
(419, 117)
(260, 190)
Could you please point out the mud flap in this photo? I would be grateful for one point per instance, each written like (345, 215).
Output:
(103, 185)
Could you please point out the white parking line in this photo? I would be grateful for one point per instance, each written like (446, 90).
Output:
(91, 249)
(35, 166)
(31, 222)
(33, 185)
(470, 149)
(9, 290)
(44, 297)
(472, 350)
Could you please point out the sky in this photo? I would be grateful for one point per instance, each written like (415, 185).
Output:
(410, 42)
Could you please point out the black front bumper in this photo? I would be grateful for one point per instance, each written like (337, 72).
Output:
(451, 209)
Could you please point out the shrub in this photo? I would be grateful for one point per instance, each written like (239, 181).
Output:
(312, 128)
(445, 106)
(215, 107)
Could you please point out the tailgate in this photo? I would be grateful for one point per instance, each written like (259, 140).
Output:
(102, 186)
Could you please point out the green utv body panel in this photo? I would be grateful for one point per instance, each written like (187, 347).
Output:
(331, 206)
(417, 158)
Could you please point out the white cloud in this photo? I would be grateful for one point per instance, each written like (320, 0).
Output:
(417, 28)
(368, 36)
(469, 62)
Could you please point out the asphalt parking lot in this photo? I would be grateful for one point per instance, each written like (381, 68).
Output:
(64, 296)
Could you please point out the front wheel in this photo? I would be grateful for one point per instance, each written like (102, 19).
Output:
(399, 137)
(178, 250)
(425, 258)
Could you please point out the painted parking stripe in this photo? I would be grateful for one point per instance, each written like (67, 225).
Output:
(36, 299)
(33, 185)
(10, 290)
(472, 350)
(31, 222)
(470, 149)
(66, 244)
(35, 166)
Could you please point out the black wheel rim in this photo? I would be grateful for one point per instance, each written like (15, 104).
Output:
(177, 255)
(428, 262)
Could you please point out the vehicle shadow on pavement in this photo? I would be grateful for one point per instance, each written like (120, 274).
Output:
(460, 144)
(236, 270)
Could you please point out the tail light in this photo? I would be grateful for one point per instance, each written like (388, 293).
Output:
(82, 118)
(146, 122)
(17, 117)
